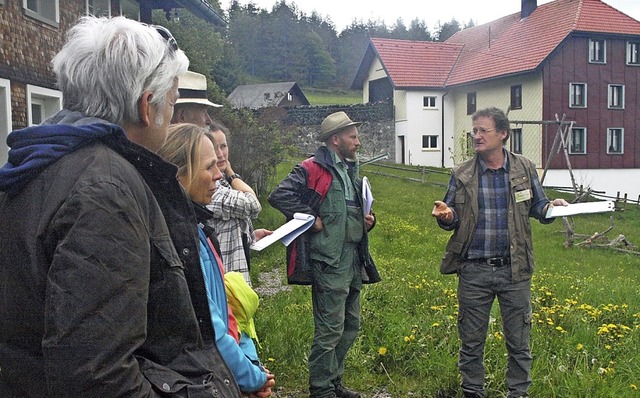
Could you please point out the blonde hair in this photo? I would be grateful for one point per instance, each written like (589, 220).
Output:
(182, 149)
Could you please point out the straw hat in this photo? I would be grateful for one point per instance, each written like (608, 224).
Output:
(334, 123)
(193, 90)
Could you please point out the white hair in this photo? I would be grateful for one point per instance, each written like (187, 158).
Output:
(107, 64)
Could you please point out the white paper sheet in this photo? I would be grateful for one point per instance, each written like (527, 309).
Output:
(580, 208)
(367, 196)
(287, 232)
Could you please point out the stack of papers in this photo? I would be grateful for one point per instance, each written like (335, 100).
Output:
(287, 232)
(367, 196)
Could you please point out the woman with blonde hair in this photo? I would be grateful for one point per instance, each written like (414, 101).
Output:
(191, 149)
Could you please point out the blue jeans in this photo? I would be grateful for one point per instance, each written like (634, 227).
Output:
(478, 285)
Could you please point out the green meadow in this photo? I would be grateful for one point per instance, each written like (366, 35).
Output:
(586, 304)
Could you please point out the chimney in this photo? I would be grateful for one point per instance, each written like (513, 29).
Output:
(528, 6)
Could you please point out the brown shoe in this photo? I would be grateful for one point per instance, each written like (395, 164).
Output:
(343, 392)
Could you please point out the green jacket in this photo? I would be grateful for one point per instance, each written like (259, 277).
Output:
(521, 174)
(313, 190)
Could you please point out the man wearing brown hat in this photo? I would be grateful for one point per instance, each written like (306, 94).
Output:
(193, 105)
(333, 256)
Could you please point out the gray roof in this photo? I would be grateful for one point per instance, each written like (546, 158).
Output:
(257, 96)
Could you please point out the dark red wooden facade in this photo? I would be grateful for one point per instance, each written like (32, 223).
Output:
(569, 63)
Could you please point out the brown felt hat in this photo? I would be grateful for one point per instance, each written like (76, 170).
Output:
(333, 124)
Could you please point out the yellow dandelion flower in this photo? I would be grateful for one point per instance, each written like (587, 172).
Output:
(271, 359)
(608, 346)
(579, 347)
(435, 324)
(382, 351)
(406, 339)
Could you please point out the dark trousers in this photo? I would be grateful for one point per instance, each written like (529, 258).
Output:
(478, 285)
(336, 316)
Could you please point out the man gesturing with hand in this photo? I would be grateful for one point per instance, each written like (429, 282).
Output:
(488, 204)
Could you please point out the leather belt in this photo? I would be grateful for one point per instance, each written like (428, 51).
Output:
(494, 261)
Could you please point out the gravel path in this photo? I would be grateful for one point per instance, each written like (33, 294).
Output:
(270, 283)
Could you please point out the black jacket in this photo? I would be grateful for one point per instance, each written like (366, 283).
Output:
(96, 301)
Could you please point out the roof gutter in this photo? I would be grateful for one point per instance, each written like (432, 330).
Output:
(204, 10)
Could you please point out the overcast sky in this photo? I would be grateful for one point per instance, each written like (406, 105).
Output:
(343, 12)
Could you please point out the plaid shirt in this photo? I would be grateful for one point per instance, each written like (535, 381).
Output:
(232, 214)
(491, 236)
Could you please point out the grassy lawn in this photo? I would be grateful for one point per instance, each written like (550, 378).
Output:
(318, 96)
(586, 305)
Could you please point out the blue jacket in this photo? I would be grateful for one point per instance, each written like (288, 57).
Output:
(249, 376)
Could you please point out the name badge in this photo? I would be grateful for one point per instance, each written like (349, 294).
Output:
(523, 195)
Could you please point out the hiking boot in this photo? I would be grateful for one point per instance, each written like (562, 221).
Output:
(343, 392)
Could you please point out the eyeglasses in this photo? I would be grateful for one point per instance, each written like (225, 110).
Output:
(481, 131)
(166, 35)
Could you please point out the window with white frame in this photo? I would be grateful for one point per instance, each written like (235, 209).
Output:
(42, 103)
(615, 140)
(130, 9)
(597, 51)
(633, 53)
(429, 101)
(577, 95)
(578, 141)
(5, 118)
(99, 8)
(46, 11)
(516, 140)
(616, 96)
(429, 142)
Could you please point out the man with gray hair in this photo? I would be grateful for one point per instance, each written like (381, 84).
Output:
(96, 300)
(193, 105)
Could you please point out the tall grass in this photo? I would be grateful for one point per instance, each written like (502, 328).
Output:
(585, 338)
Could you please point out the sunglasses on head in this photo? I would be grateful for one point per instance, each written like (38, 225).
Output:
(166, 35)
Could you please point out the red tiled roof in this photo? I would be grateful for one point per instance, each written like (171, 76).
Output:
(508, 45)
(417, 63)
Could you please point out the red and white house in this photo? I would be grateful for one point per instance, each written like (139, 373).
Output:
(577, 58)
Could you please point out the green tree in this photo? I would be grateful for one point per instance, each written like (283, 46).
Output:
(447, 30)
(322, 68)
(418, 30)
(399, 30)
(197, 38)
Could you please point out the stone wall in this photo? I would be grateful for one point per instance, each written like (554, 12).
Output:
(377, 132)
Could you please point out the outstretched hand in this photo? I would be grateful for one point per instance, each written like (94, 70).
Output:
(442, 212)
